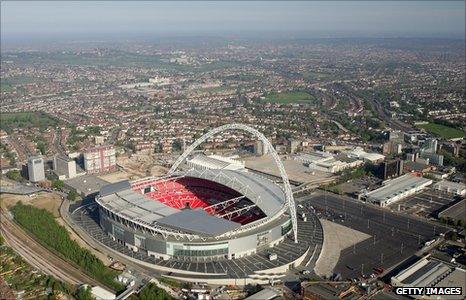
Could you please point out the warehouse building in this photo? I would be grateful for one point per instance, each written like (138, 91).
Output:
(370, 157)
(456, 188)
(430, 272)
(327, 162)
(397, 189)
(454, 212)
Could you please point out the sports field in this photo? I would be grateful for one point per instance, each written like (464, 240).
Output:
(289, 97)
(443, 131)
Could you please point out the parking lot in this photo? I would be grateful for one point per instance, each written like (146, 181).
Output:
(394, 236)
(426, 204)
(355, 186)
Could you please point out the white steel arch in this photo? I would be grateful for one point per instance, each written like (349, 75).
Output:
(288, 193)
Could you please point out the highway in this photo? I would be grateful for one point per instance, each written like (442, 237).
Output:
(39, 256)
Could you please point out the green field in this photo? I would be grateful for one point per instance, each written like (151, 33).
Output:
(289, 97)
(443, 131)
(10, 121)
(8, 85)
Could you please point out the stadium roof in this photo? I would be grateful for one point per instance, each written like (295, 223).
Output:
(197, 221)
(134, 205)
(120, 198)
(271, 197)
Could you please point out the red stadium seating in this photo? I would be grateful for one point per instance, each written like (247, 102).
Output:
(193, 193)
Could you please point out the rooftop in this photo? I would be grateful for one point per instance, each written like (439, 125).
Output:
(86, 184)
(451, 185)
(455, 212)
(397, 186)
(197, 221)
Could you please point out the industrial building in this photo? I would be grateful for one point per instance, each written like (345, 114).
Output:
(430, 272)
(36, 171)
(371, 157)
(397, 189)
(456, 188)
(203, 162)
(100, 159)
(327, 162)
(454, 212)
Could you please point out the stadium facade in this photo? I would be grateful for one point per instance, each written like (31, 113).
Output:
(209, 216)
(196, 215)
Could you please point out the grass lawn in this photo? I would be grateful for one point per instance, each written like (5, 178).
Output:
(289, 97)
(6, 87)
(8, 84)
(443, 131)
(41, 120)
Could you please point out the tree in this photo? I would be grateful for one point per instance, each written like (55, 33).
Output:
(58, 184)
(41, 147)
(84, 293)
(451, 235)
(14, 175)
(153, 292)
(177, 145)
(72, 195)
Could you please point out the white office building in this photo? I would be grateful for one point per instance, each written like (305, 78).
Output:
(36, 170)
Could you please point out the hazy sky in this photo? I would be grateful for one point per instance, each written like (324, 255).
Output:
(22, 20)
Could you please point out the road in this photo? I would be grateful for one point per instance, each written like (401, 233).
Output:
(57, 137)
(341, 127)
(39, 256)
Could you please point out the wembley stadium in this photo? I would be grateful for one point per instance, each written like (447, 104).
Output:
(211, 225)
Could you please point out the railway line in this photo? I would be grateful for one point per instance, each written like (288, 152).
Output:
(41, 257)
